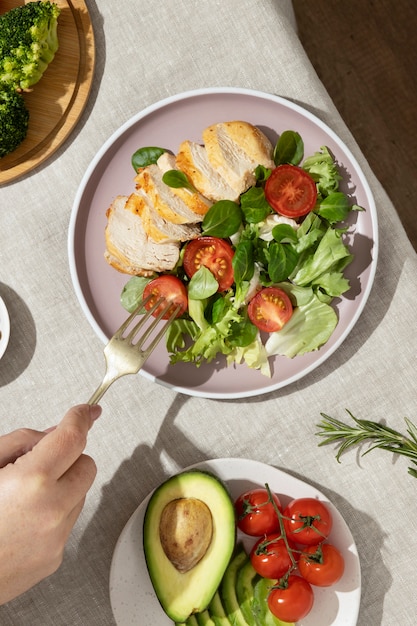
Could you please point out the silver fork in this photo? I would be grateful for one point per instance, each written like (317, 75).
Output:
(124, 355)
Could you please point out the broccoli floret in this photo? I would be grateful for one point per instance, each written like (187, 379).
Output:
(28, 42)
(14, 118)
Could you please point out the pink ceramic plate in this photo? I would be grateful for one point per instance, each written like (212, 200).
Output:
(166, 124)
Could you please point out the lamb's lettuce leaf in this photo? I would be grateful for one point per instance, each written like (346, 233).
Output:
(132, 292)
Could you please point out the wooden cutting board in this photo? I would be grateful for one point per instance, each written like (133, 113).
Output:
(56, 102)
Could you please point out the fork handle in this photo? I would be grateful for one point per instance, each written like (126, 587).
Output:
(101, 389)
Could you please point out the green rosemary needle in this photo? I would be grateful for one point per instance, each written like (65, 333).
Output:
(368, 432)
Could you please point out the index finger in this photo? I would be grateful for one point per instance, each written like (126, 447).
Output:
(61, 447)
(17, 443)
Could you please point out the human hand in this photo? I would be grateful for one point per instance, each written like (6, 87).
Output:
(44, 478)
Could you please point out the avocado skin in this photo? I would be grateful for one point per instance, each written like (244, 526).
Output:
(183, 594)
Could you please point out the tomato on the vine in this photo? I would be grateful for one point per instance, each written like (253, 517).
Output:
(171, 289)
(307, 521)
(215, 254)
(256, 514)
(291, 191)
(321, 565)
(270, 309)
(270, 557)
(293, 600)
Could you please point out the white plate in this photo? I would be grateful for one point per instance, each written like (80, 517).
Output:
(4, 327)
(166, 124)
(131, 593)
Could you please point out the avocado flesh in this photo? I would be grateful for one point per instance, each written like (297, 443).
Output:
(182, 593)
(217, 612)
(244, 593)
(246, 579)
(260, 604)
(228, 590)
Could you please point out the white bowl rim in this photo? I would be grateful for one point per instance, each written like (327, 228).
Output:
(4, 327)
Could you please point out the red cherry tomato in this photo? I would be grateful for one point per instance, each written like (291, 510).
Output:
(270, 557)
(215, 254)
(293, 602)
(307, 521)
(171, 289)
(291, 191)
(321, 565)
(270, 309)
(256, 515)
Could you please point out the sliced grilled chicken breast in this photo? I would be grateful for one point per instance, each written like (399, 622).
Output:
(194, 200)
(145, 230)
(154, 224)
(192, 159)
(178, 206)
(235, 149)
(128, 247)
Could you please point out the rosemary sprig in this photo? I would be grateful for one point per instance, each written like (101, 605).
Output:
(366, 431)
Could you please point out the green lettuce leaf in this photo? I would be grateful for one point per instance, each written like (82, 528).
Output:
(254, 355)
(323, 170)
(310, 326)
(331, 255)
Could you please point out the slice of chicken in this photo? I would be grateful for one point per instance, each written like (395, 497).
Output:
(197, 204)
(188, 209)
(128, 247)
(157, 227)
(235, 149)
(192, 159)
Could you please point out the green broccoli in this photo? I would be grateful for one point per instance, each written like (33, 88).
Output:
(28, 42)
(14, 118)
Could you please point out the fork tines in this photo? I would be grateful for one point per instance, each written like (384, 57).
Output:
(144, 319)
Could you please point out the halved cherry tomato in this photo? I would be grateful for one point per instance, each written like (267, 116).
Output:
(270, 309)
(171, 289)
(321, 565)
(270, 557)
(291, 191)
(215, 254)
(256, 515)
(307, 521)
(293, 601)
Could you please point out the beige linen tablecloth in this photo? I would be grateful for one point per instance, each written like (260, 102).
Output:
(147, 51)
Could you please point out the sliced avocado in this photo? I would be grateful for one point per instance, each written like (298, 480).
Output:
(245, 582)
(217, 612)
(191, 621)
(260, 604)
(189, 535)
(204, 619)
(228, 589)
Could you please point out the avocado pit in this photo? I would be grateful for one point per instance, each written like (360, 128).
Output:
(185, 531)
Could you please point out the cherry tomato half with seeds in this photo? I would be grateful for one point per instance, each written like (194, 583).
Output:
(270, 557)
(256, 515)
(270, 309)
(292, 602)
(171, 289)
(321, 565)
(215, 254)
(291, 191)
(307, 521)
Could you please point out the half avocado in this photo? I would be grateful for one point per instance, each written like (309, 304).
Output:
(189, 535)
